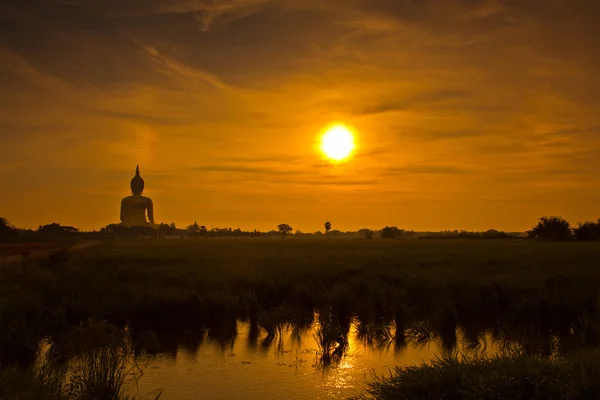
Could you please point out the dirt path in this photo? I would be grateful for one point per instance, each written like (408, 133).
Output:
(10, 259)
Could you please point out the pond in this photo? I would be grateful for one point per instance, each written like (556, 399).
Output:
(285, 367)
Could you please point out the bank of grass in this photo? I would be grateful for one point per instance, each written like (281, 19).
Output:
(576, 377)
(90, 361)
(520, 289)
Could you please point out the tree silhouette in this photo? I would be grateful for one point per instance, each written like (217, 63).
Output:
(56, 229)
(588, 231)
(284, 229)
(7, 231)
(165, 230)
(392, 232)
(368, 234)
(327, 227)
(551, 228)
(110, 228)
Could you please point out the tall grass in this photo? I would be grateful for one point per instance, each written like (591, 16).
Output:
(513, 377)
(94, 361)
(331, 337)
(103, 372)
(46, 380)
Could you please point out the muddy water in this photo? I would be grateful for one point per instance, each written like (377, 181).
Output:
(286, 368)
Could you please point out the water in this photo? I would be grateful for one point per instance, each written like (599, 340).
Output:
(286, 368)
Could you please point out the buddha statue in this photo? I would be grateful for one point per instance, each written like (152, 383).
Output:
(135, 207)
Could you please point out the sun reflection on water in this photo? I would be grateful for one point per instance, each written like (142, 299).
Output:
(250, 367)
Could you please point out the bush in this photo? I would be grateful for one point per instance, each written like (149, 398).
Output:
(518, 377)
(7, 231)
(587, 231)
(551, 228)
(392, 232)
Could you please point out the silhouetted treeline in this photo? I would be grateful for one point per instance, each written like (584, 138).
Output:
(489, 234)
(548, 228)
(558, 229)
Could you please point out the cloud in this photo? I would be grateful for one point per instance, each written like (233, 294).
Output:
(240, 169)
(169, 65)
(422, 99)
(144, 118)
(145, 8)
(426, 170)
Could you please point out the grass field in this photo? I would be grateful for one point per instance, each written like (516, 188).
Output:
(14, 248)
(521, 290)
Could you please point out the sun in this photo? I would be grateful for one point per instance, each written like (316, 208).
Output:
(337, 143)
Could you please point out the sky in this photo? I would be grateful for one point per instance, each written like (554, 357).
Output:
(468, 114)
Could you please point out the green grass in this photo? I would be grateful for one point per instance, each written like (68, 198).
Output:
(520, 289)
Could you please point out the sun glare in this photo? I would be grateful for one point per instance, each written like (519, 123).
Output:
(338, 143)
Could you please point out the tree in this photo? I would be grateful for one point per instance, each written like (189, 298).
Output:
(494, 234)
(55, 229)
(110, 228)
(284, 229)
(366, 233)
(391, 232)
(588, 231)
(327, 227)
(165, 230)
(7, 231)
(551, 228)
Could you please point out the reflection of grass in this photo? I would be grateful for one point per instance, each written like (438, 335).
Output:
(331, 337)
(375, 331)
(511, 377)
(100, 368)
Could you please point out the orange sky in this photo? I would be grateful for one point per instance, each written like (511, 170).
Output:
(470, 114)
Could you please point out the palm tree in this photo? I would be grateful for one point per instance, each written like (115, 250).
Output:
(327, 227)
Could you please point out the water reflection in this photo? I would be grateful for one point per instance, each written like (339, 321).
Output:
(246, 361)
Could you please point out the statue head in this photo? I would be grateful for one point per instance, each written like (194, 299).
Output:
(137, 183)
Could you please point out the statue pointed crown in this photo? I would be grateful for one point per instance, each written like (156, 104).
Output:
(137, 183)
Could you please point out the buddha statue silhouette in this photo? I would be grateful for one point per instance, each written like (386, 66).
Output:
(135, 207)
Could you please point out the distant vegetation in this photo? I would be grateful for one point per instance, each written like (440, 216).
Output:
(7, 231)
(548, 228)
(284, 229)
(327, 227)
(558, 229)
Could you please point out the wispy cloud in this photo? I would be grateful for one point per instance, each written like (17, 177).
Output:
(169, 66)
(240, 169)
(426, 170)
